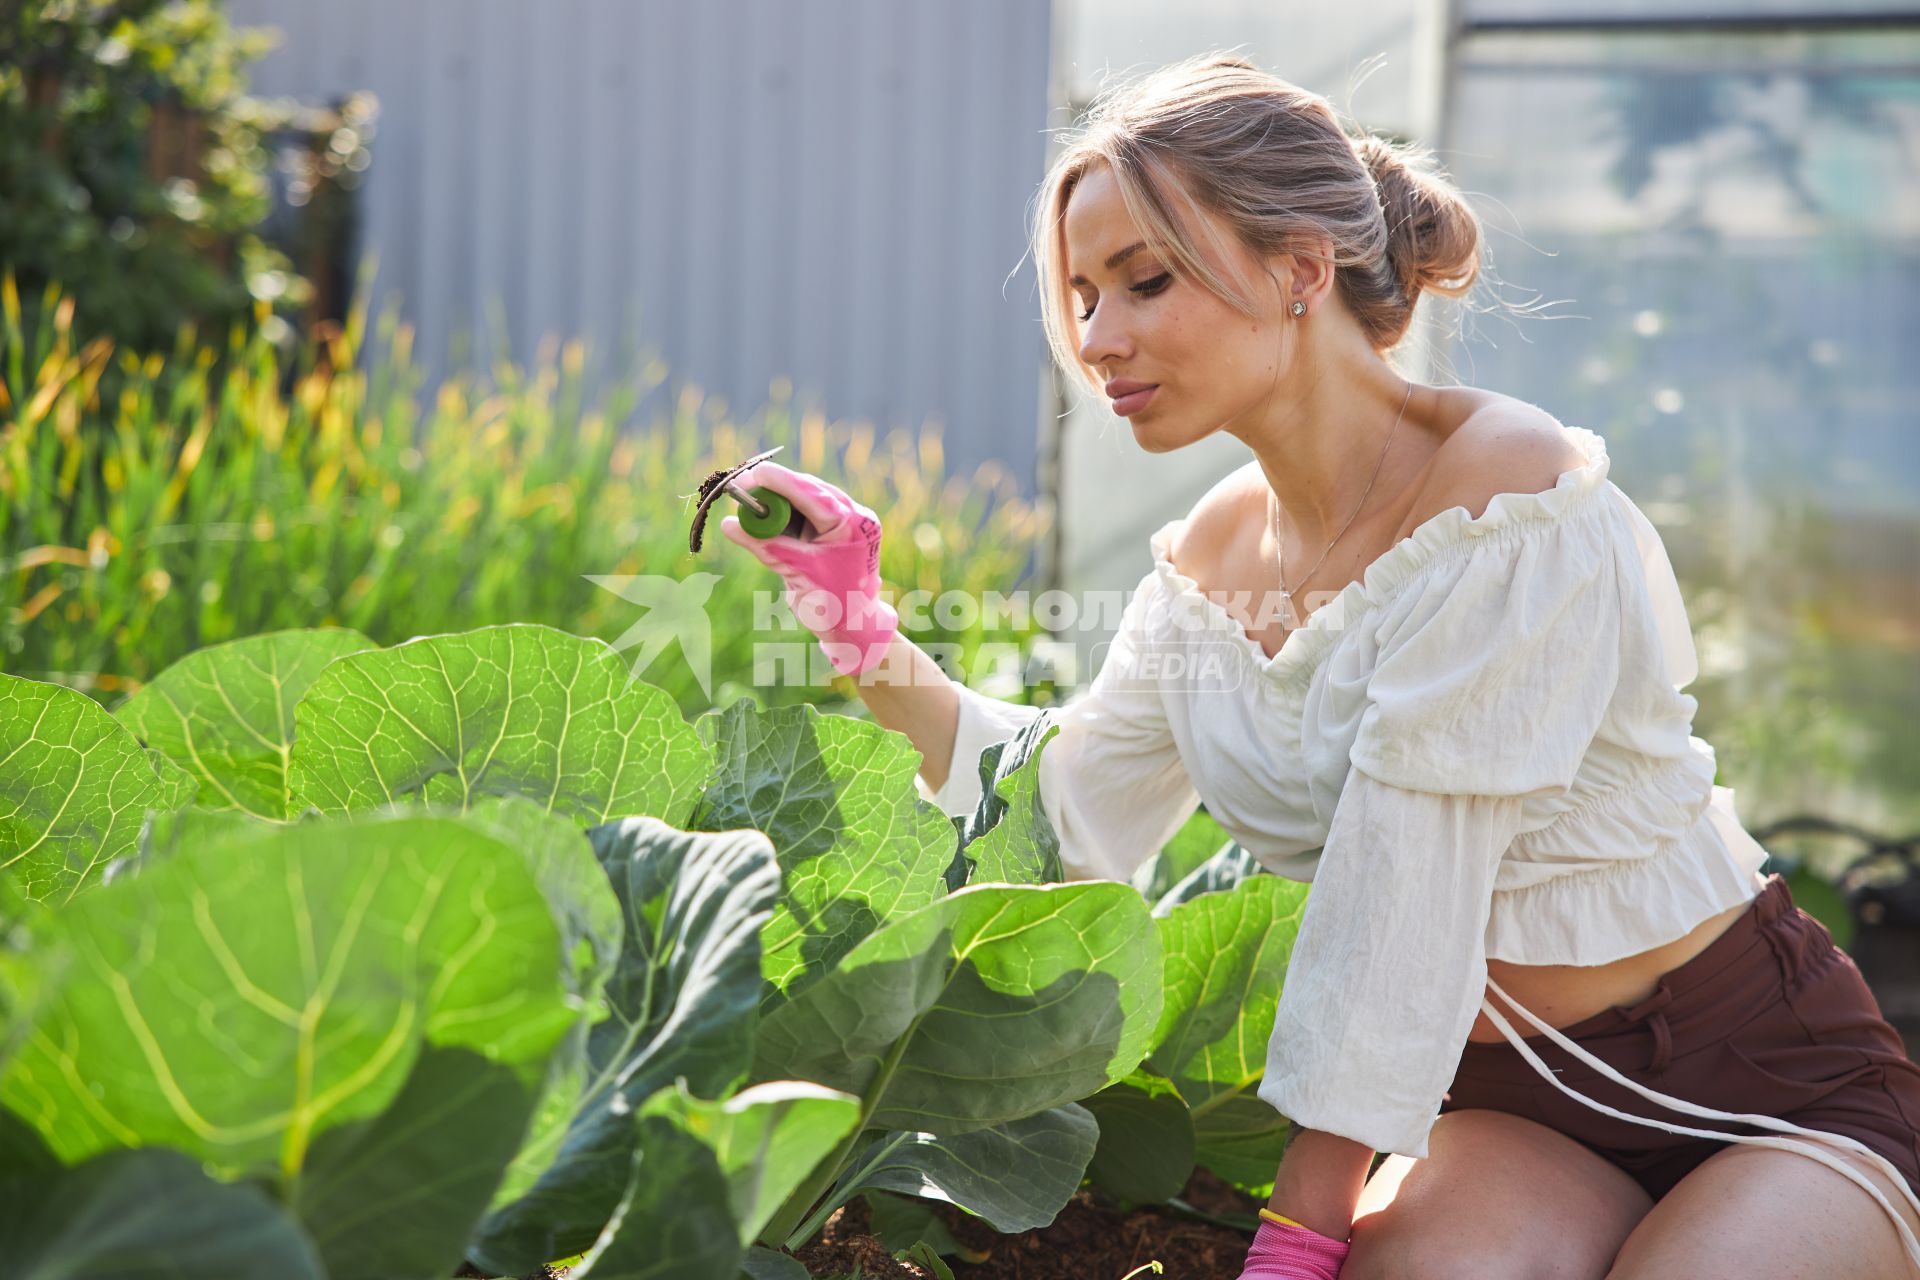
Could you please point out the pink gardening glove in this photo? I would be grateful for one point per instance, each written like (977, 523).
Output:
(832, 573)
(1283, 1252)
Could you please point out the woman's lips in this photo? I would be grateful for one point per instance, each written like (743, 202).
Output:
(1131, 404)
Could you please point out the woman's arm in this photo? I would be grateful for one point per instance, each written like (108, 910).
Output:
(909, 693)
(1319, 1183)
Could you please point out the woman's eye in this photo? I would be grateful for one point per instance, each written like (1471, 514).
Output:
(1146, 289)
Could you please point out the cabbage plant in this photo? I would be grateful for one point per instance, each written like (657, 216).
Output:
(324, 959)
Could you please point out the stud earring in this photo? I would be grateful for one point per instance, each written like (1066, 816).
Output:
(1299, 308)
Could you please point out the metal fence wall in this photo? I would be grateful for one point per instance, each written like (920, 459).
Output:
(833, 192)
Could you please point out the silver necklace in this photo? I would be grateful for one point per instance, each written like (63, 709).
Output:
(1279, 546)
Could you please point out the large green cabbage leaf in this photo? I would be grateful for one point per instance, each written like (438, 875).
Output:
(857, 846)
(518, 709)
(682, 1004)
(225, 714)
(983, 1008)
(146, 1215)
(238, 999)
(75, 788)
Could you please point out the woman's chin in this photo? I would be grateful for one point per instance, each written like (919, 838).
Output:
(1154, 438)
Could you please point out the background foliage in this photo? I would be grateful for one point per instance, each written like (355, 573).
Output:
(132, 170)
(196, 508)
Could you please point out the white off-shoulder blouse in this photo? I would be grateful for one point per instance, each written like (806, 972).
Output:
(1478, 750)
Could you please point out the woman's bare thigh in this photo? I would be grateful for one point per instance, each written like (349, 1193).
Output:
(1497, 1196)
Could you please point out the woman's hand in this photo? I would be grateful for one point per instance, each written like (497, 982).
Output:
(1288, 1251)
(831, 571)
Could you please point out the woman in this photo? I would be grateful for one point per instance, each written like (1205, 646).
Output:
(1460, 720)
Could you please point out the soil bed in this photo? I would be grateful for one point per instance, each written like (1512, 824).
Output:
(1089, 1240)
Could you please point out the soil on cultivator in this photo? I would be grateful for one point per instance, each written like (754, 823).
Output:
(1090, 1239)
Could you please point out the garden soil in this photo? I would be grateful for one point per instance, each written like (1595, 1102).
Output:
(1090, 1239)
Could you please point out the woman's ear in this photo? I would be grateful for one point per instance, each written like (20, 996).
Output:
(1312, 277)
(1303, 278)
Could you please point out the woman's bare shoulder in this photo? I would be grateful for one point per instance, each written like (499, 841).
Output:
(1216, 519)
(1507, 446)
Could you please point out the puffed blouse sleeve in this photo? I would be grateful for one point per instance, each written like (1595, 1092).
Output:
(1112, 781)
(1496, 665)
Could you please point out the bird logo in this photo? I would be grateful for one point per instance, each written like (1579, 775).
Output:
(676, 609)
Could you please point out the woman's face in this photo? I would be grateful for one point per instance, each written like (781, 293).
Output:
(1212, 366)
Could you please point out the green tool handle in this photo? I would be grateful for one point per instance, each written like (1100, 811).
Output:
(781, 517)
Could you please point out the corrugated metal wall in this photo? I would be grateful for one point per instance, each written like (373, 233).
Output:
(832, 191)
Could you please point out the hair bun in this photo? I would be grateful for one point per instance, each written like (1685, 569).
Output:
(1378, 155)
(1433, 239)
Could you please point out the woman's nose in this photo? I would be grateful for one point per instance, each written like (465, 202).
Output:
(1098, 345)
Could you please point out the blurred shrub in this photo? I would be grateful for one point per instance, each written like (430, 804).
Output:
(131, 166)
(196, 509)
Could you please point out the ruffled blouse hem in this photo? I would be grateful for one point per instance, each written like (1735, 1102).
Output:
(1395, 567)
(1659, 803)
(1623, 908)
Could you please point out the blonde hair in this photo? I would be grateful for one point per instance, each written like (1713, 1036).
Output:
(1272, 161)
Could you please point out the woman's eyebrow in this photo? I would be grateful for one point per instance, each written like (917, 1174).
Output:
(1114, 261)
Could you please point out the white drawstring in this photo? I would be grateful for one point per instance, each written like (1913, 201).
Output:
(1766, 1122)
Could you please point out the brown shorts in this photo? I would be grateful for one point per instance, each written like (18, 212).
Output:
(1772, 1019)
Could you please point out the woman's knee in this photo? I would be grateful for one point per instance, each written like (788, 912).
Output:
(1498, 1195)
